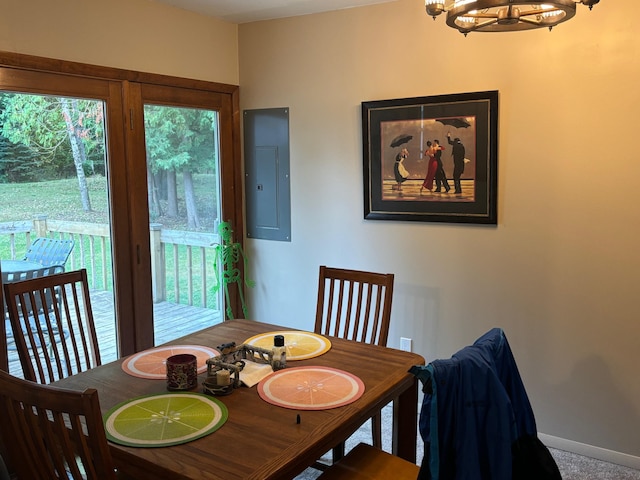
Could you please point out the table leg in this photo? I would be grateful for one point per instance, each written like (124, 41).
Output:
(405, 423)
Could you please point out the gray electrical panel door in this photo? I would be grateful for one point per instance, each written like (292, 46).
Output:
(266, 167)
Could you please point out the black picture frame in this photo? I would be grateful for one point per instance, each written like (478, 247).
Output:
(389, 126)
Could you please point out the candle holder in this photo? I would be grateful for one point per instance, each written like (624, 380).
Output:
(182, 372)
(223, 372)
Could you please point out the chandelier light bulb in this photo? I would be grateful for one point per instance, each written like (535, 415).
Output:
(434, 7)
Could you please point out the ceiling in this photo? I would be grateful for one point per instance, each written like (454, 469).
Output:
(244, 11)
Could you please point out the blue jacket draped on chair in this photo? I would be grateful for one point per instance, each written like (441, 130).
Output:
(476, 419)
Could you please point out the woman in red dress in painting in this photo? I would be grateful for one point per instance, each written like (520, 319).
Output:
(432, 167)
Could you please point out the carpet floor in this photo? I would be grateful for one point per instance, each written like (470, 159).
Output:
(571, 465)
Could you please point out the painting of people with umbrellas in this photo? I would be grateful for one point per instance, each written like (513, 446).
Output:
(422, 153)
(430, 159)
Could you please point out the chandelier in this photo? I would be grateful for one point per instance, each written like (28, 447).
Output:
(503, 15)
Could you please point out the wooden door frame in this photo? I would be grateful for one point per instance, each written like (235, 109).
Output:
(132, 269)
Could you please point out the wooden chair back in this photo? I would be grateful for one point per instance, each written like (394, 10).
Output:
(4, 354)
(10, 277)
(59, 339)
(49, 251)
(354, 305)
(5, 326)
(51, 432)
(4, 366)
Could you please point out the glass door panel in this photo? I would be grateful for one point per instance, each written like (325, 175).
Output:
(92, 169)
(183, 190)
(54, 183)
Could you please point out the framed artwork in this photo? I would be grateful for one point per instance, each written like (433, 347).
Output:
(432, 159)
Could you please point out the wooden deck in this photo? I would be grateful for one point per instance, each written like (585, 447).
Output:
(171, 321)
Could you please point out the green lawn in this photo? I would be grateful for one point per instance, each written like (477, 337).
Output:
(60, 200)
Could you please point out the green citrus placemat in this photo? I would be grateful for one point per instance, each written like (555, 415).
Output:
(164, 419)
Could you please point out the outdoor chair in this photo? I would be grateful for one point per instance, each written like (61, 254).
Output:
(355, 305)
(49, 251)
(51, 432)
(57, 338)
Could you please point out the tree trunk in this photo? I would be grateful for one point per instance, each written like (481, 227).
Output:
(161, 184)
(190, 199)
(155, 210)
(172, 194)
(79, 155)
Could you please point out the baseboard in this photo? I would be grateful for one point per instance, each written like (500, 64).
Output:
(598, 453)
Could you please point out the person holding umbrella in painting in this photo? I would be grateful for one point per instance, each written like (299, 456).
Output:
(399, 171)
(458, 153)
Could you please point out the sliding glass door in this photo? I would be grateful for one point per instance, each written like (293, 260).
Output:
(189, 185)
(138, 169)
(183, 196)
(54, 182)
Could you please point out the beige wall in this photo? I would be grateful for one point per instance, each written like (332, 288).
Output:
(560, 273)
(140, 35)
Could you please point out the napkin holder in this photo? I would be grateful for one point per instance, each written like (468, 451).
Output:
(232, 359)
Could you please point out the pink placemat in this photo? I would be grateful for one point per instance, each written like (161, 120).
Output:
(151, 363)
(311, 388)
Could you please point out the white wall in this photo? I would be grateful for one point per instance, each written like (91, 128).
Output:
(140, 35)
(560, 272)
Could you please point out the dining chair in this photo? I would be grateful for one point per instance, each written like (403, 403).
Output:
(53, 327)
(7, 333)
(4, 354)
(51, 432)
(365, 462)
(28, 274)
(355, 305)
(49, 251)
(4, 470)
(4, 366)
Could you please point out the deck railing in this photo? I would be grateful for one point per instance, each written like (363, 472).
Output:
(182, 262)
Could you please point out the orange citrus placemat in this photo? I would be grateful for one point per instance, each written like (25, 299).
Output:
(164, 419)
(311, 388)
(152, 363)
(299, 345)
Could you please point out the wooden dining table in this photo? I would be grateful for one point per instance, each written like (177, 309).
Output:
(260, 440)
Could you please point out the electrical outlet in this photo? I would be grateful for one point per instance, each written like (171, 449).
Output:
(405, 344)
